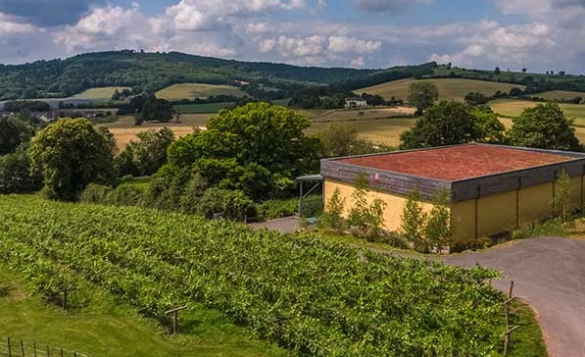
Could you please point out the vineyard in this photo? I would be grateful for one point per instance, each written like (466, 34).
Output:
(309, 296)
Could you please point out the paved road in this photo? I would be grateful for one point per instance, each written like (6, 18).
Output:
(549, 274)
(284, 225)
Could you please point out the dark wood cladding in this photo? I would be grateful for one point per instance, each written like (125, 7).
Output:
(509, 181)
(463, 190)
(387, 181)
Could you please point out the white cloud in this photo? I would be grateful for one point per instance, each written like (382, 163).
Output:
(9, 25)
(359, 62)
(339, 44)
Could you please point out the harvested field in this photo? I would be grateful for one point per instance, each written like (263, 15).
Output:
(197, 90)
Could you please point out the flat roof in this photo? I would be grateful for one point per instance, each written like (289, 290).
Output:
(456, 163)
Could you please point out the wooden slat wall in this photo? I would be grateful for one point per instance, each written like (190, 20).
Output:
(387, 181)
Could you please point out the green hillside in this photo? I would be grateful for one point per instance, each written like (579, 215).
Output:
(449, 88)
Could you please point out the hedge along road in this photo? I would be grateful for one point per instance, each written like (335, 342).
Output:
(549, 274)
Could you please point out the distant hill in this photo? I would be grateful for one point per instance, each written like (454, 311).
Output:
(449, 88)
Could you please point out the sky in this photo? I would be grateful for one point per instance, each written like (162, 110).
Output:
(539, 35)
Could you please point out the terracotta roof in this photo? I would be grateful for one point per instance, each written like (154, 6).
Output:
(458, 162)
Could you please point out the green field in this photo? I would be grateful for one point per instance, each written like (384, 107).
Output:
(559, 95)
(197, 90)
(104, 93)
(449, 88)
(108, 328)
(210, 108)
(512, 108)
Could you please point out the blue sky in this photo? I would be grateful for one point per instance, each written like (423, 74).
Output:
(537, 34)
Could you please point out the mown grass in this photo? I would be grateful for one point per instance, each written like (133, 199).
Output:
(559, 95)
(197, 90)
(107, 328)
(98, 93)
(449, 88)
(514, 107)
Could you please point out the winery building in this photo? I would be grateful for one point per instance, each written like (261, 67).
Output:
(493, 189)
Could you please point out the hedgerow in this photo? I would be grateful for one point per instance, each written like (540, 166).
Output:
(313, 297)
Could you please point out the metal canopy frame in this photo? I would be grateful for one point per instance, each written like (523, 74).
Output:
(319, 179)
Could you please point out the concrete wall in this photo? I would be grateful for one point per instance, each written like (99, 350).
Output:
(485, 216)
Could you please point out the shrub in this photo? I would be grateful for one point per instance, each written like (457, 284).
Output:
(193, 193)
(413, 223)
(15, 175)
(561, 202)
(474, 244)
(333, 214)
(233, 205)
(95, 193)
(367, 217)
(439, 230)
(126, 195)
(274, 209)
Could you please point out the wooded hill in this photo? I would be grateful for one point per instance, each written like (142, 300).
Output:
(153, 71)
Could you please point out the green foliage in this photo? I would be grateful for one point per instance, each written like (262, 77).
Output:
(413, 221)
(259, 148)
(546, 127)
(342, 139)
(13, 133)
(334, 210)
(422, 95)
(15, 175)
(69, 155)
(154, 109)
(125, 194)
(96, 194)
(447, 123)
(315, 298)
(561, 201)
(439, 229)
(233, 205)
(488, 127)
(548, 228)
(274, 209)
(476, 98)
(193, 193)
(367, 217)
(145, 157)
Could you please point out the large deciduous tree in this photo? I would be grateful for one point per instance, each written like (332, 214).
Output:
(13, 132)
(258, 148)
(69, 155)
(422, 95)
(447, 123)
(545, 127)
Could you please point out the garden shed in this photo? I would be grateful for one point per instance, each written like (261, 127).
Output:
(493, 189)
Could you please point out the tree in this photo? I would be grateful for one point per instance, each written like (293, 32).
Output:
(367, 217)
(15, 175)
(476, 98)
(545, 127)
(13, 132)
(69, 155)
(516, 92)
(154, 109)
(342, 139)
(497, 71)
(524, 70)
(439, 230)
(422, 95)
(146, 156)
(447, 123)
(259, 148)
(488, 128)
(116, 95)
(413, 223)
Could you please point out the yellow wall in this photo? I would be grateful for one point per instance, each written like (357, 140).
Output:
(495, 213)
(395, 203)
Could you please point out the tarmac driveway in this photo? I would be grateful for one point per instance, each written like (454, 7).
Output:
(549, 274)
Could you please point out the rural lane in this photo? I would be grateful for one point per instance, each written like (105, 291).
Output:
(549, 274)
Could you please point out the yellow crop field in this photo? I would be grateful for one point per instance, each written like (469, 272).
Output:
(98, 93)
(513, 108)
(197, 90)
(449, 88)
(559, 95)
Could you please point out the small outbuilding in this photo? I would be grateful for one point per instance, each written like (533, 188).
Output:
(493, 189)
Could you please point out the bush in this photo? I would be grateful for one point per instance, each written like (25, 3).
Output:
(333, 214)
(233, 205)
(367, 217)
(438, 230)
(193, 193)
(274, 209)
(95, 193)
(474, 244)
(126, 195)
(413, 223)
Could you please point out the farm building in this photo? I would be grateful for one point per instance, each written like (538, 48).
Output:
(493, 189)
(355, 102)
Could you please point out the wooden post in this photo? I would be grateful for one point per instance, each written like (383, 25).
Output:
(62, 352)
(511, 289)
(509, 330)
(22, 347)
(48, 351)
(175, 313)
(35, 348)
(9, 348)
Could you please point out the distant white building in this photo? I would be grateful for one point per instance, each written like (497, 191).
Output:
(355, 102)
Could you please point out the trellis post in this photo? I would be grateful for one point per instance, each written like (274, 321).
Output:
(175, 313)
